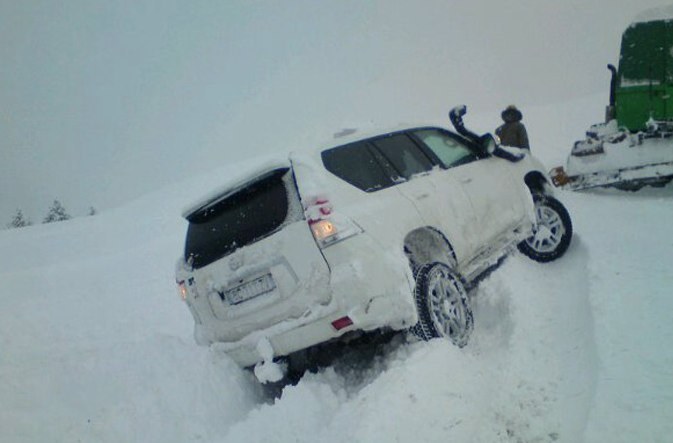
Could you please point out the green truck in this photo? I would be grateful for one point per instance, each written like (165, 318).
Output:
(634, 146)
(643, 86)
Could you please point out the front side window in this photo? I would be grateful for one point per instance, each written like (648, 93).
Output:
(450, 151)
(403, 154)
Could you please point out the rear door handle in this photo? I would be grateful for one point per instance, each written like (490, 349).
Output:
(466, 180)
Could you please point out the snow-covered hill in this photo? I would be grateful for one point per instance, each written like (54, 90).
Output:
(95, 344)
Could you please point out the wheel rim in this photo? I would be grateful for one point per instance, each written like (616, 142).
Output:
(548, 232)
(447, 308)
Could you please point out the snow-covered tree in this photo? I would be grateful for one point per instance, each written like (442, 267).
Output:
(19, 221)
(92, 210)
(56, 213)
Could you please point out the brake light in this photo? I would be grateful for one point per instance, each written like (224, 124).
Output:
(182, 290)
(327, 226)
(317, 209)
(342, 322)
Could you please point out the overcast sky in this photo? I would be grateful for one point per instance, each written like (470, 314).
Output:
(101, 102)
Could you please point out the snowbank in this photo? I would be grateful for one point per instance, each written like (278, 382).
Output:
(660, 13)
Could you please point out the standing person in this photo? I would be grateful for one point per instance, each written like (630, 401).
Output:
(512, 132)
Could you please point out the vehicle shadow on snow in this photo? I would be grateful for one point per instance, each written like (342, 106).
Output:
(355, 364)
(646, 192)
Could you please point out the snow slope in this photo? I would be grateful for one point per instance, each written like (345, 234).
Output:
(96, 346)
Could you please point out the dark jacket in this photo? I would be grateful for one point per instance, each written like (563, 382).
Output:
(513, 132)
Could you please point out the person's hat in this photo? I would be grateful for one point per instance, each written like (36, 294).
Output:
(511, 113)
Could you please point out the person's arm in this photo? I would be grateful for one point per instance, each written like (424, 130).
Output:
(498, 131)
(523, 137)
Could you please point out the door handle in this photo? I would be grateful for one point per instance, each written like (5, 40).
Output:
(466, 180)
(422, 196)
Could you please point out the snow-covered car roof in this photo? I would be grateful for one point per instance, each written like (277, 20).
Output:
(351, 135)
(241, 173)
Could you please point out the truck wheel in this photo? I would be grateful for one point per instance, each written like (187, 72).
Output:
(552, 233)
(442, 304)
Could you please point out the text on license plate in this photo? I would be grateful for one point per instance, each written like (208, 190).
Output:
(254, 288)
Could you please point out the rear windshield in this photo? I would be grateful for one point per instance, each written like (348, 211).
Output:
(250, 214)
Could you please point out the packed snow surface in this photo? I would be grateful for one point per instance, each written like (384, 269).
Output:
(95, 344)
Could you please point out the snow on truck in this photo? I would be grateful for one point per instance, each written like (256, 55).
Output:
(634, 147)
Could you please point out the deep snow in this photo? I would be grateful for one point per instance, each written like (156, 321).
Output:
(95, 344)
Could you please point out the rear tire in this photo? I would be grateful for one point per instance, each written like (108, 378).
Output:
(553, 232)
(443, 305)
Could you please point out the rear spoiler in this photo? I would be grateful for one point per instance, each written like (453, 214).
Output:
(240, 175)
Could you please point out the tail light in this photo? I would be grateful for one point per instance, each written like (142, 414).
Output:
(182, 290)
(342, 322)
(327, 226)
(559, 176)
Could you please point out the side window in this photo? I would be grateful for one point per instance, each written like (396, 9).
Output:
(403, 154)
(355, 164)
(450, 151)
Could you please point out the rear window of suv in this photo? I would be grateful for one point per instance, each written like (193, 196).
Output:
(254, 212)
(356, 164)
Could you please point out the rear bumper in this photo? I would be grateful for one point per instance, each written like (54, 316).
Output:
(374, 290)
(294, 335)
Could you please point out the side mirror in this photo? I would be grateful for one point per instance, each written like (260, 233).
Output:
(488, 143)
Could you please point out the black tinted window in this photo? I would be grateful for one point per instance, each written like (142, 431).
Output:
(237, 220)
(405, 156)
(355, 164)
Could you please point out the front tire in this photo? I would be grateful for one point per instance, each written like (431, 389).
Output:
(553, 231)
(442, 304)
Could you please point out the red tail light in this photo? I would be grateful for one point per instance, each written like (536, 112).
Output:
(182, 290)
(327, 226)
(342, 322)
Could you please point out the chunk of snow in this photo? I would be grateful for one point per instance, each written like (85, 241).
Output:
(268, 370)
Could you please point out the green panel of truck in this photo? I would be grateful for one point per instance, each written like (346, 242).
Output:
(645, 86)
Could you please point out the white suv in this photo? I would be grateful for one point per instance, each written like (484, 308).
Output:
(376, 233)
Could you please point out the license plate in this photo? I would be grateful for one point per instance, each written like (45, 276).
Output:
(254, 288)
